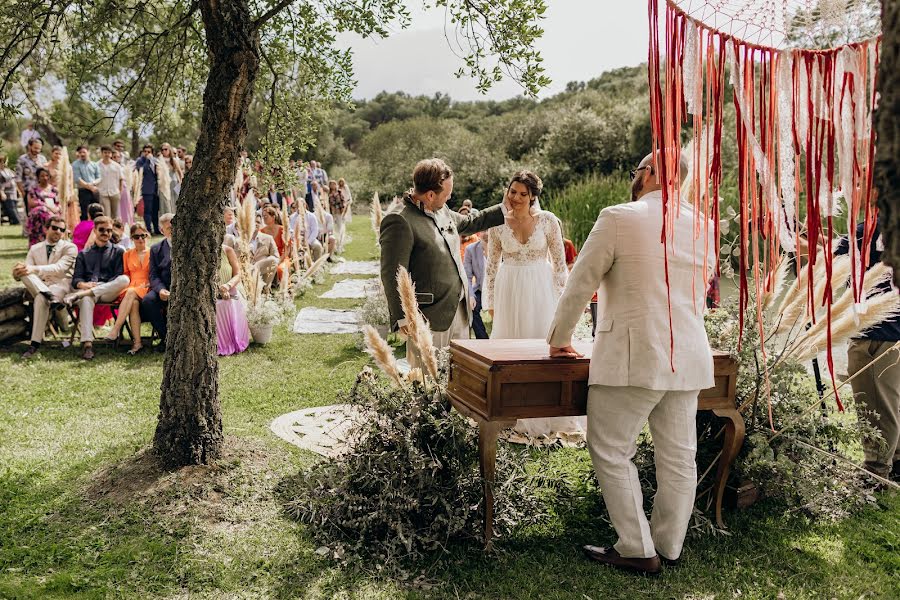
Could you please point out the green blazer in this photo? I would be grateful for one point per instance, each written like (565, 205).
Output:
(427, 244)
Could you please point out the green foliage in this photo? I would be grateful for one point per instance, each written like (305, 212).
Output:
(579, 205)
(392, 150)
(806, 469)
(409, 483)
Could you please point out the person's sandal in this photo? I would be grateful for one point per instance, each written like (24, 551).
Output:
(135, 350)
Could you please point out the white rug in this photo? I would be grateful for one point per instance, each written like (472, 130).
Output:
(355, 267)
(320, 430)
(323, 320)
(352, 288)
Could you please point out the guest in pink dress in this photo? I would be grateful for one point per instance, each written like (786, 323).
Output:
(232, 330)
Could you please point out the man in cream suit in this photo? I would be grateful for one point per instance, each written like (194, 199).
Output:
(638, 373)
(47, 275)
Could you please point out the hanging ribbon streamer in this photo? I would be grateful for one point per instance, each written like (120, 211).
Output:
(805, 146)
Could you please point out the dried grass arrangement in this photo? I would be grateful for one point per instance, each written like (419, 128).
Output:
(376, 214)
(409, 487)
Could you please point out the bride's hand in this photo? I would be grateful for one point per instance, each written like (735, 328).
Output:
(565, 352)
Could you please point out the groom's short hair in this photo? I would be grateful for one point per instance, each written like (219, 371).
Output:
(430, 174)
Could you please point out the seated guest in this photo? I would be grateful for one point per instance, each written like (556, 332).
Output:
(84, 231)
(274, 228)
(120, 236)
(311, 231)
(327, 236)
(99, 277)
(230, 226)
(156, 300)
(232, 330)
(264, 256)
(42, 203)
(136, 263)
(47, 275)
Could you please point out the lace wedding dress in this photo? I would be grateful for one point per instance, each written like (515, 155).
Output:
(523, 283)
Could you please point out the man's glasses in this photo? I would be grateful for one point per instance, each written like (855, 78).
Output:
(140, 236)
(58, 228)
(634, 172)
(104, 230)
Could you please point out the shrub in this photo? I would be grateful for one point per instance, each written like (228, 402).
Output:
(409, 484)
(579, 205)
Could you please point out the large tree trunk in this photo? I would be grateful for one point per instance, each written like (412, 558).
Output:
(887, 125)
(189, 430)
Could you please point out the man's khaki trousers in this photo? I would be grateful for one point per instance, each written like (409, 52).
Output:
(877, 393)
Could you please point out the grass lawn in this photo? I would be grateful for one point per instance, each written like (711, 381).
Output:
(84, 513)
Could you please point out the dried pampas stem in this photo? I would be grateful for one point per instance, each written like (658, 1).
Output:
(419, 331)
(376, 213)
(780, 276)
(381, 352)
(792, 313)
(880, 308)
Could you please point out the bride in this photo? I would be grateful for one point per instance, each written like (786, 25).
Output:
(525, 276)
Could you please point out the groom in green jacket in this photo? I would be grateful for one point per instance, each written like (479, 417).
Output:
(423, 236)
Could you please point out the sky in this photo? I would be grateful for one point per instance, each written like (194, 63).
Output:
(582, 39)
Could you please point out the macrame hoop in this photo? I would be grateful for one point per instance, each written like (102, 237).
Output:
(803, 126)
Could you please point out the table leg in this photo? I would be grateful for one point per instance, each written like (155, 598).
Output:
(487, 460)
(734, 439)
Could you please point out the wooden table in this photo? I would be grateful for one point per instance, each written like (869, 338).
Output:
(496, 382)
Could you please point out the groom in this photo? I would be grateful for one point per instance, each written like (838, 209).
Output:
(422, 235)
(638, 373)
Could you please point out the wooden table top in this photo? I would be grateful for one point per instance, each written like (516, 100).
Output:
(500, 352)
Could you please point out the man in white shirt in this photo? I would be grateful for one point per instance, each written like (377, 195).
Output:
(47, 275)
(111, 178)
(650, 360)
(311, 229)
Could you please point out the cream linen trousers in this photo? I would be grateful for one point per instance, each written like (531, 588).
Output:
(616, 416)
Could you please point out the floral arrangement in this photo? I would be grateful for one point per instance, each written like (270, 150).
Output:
(266, 312)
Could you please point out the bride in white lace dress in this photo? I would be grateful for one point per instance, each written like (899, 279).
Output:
(525, 276)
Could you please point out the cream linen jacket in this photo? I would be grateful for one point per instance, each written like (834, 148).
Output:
(623, 259)
(59, 267)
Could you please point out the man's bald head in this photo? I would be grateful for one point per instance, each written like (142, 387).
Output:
(646, 178)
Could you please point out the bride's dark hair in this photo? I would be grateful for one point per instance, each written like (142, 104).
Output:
(529, 180)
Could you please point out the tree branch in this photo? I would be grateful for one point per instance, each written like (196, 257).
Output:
(259, 22)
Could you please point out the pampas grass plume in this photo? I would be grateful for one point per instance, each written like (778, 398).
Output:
(880, 308)
(381, 352)
(419, 332)
(376, 213)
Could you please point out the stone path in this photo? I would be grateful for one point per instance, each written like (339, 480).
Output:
(352, 288)
(321, 429)
(322, 320)
(354, 267)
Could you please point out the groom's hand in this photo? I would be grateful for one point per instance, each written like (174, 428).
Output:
(565, 352)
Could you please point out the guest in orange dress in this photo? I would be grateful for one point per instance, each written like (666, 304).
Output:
(136, 263)
(272, 226)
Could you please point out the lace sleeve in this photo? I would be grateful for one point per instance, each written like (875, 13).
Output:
(557, 252)
(495, 249)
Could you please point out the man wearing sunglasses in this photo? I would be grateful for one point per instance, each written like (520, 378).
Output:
(99, 277)
(46, 274)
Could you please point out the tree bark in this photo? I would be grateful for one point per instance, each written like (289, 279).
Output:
(887, 126)
(189, 430)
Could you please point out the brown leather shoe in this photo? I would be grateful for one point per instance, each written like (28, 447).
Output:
(88, 353)
(609, 556)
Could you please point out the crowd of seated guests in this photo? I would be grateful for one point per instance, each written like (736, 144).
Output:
(62, 276)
